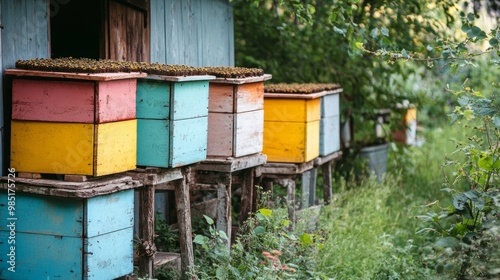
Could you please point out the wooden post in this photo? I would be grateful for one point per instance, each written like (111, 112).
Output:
(146, 230)
(184, 219)
(290, 187)
(327, 182)
(247, 187)
(308, 188)
(224, 209)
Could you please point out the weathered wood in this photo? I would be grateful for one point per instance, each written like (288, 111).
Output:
(75, 76)
(171, 260)
(181, 78)
(29, 175)
(59, 188)
(247, 191)
(73, 148)
(289, 184)
(184, 218)
(128, 32)
(224, 209)
(286, 168)
(301, 95)
(147, 248)
(248, 133)
(308, 188)
(327, 182)
(60, 184)
(231, 164)
(156, 176)
(324, 159)
(239, 81)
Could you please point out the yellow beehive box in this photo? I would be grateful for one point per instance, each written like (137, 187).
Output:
(291, 128)
(73, 148)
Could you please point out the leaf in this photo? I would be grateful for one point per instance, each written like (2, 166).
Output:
(338, 30)
(466, 28)
(259, 230)
(374, 33)
(384, 31)
(430, 48)
(404, 53)
(493, 42)
(222, 234)
(459, 201)
(447, 242)
(306, 239)
(486, 163)
(359, 45)
(496, 121)
(266, 212)
(200, 239)
(208, 219)
(471, 17)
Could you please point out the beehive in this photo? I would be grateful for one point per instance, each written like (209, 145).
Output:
(69, 123)
(172, 117)
(236, 116)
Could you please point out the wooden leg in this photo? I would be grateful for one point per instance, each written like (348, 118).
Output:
(146, 230)
(290, 187)
(224, 207)
(247, 187)
(327, 182)
(184, 219)
(308, 188)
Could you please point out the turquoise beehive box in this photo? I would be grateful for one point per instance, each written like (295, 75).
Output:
(330, 123)
(69, 238)
(172, 120)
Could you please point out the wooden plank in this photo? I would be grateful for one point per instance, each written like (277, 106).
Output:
(116, 100)
(59, 101)
(239, 81)
(51, 247)
(60, 148)
(325, 159)
(157, 29)
(166, 258)
(330, 105)
(184, 219)
(221, 97)
(156, 176)
(153, 99)
(190, 100)
(248, 133)
(249, 97)
(231, 164)
(116, 147)
(220, 134)
(224, 209)
(181, 78)
(327, 182)
(128, 33)
(102, 252)
(286, 168)
(29, 175)
(147, 248)
(292, 110)
(153, 142)
(301, 95)
(188, 143)
(109, 213)
(329, 135)
(291, 141)
(289, 184)
(76, 76)
(308, 188)
(247, 190)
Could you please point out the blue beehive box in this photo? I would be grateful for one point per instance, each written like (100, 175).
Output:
(330, 123)
(172, 120)
(69, 238)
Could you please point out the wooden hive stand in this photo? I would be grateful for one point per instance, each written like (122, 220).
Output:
(285, 175)
(171, 179)
(220, 175)
(67, 230)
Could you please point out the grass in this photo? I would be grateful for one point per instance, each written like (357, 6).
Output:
(371, 225)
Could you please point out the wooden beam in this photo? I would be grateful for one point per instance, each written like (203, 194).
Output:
(146, 231)
(327, 182)
(183, 207)
(247, 190)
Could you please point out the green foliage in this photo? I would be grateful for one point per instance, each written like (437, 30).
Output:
(266, 248)
(166, 240)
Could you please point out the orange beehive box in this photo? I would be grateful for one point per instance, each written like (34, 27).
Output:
(236, 116)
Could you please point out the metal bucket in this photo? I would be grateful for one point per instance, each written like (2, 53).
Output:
(376, 157)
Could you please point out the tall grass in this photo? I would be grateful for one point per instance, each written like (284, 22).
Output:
(372, 226)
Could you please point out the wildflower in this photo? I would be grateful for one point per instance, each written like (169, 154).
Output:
(276, 252)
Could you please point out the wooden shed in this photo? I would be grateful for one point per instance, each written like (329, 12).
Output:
(191, 32)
